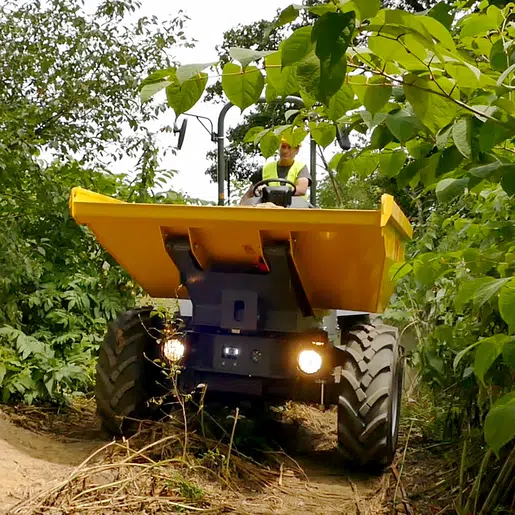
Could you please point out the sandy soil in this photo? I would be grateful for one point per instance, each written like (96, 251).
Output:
(39, 449)
(31, 459)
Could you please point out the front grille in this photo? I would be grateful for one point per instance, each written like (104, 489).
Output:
(241, 355)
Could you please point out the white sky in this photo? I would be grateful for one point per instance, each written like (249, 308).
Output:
(208, 21)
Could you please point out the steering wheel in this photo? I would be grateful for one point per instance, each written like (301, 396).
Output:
(264, 182)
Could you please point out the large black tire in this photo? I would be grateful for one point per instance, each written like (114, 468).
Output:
(127, 378)
(370, 393)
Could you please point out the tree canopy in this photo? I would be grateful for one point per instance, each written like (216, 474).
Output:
(68, 109)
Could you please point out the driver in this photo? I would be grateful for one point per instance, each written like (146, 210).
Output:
(287, 167)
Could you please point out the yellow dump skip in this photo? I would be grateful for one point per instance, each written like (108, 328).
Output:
(342, 256)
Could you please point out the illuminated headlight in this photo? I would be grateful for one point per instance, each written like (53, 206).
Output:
(310, 361)
(173, 350)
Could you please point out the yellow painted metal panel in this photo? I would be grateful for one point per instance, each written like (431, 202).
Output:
(342, 256)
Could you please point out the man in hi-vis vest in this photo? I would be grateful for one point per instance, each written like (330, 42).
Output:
(287, 167)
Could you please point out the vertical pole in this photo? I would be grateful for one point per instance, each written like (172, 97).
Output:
(228, 183)
(220, 167)
(220, 161)
(313, 166)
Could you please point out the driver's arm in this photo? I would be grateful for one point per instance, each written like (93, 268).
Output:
(302, 186)
(247, 195)
(256, 177)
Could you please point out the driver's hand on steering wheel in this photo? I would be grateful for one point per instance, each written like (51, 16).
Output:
(260, 188)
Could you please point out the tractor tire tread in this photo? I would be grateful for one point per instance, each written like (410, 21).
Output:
(366, 388)
(123, 385)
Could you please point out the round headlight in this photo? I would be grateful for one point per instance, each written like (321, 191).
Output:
(310, 361)
(173, 350)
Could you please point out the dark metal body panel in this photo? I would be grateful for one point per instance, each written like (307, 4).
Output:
(245, 300)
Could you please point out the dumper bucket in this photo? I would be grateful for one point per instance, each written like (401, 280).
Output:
(342, 256)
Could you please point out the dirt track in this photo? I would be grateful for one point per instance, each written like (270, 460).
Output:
(40, 449)
(32, 460)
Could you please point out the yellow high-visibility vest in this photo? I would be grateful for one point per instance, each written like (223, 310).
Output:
(270, 171)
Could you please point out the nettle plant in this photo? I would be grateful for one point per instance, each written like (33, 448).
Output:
(435, 93)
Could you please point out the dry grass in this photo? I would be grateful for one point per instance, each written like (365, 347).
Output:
(220, 464)
(187, 463)
(221, 461)
(150, 473)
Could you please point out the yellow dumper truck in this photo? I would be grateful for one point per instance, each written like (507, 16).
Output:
(278, 304)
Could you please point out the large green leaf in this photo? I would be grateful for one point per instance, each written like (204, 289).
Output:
(429, 169)
(462, 136)
(377, 94)
(467, 290)
(359, 86)
(269, 144)
(380, 138)
(323, 132)
(487, 290)
(426, 268)
(149, 90)
(343, 165)
(309, 77)
(462, 353)
(419, 148)
(498, 56)
(270, 93)
(321, 9)
(246, 55)
(439, 31)
(251, 134)
(155, 82)
(399, 269)
(345, 171)
(331, 35)
(441, 12)
(294, 135)
(397, 50)
(508, 182)
(287, 15)
(243, 88)
(451, 159)
(188, 71)
(365, 8)
(307, 74)
(480, 291)
(297, 46)
(182, 98)
(365, 165)
(508, 353)
(493, 171)
(448, 189)
(403, 125)
(371, 121)
(507, 303)
(391, 163)
(500, 423)
(435, 111)
(341, 102)
(488, 351)
(475, 24)
(283, 80)
(490, 134)
(465, 74)
(335, 161)
(409, 174)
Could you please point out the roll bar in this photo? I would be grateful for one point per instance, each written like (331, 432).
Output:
(220, 137)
